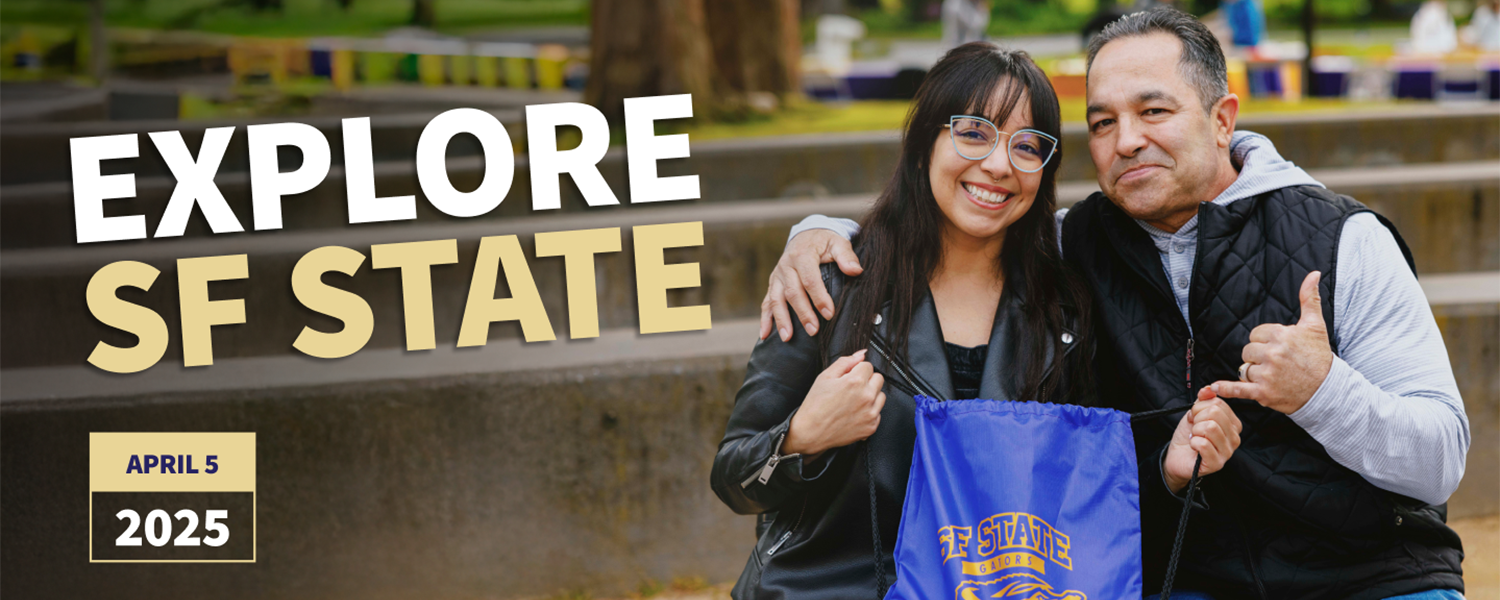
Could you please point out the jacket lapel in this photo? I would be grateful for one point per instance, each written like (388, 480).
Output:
(1000, 356)
(924, 346)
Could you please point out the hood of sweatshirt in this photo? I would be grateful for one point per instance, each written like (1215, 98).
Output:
(1262, 169)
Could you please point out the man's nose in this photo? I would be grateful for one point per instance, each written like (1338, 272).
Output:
(1131, 139)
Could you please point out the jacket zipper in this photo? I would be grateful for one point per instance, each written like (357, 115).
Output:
(1250, 560)
(765, 472)
(880, 348)
(1244, 537)
(903, 373)
(788, 535)
(1190, 369)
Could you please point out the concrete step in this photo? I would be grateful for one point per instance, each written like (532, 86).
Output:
(835, 163)
(1450, 295)
(509, 471)
(742, 243)
(42, 215)
(1449, 214)
(39, 152)
(504, 485)
(1426, 134)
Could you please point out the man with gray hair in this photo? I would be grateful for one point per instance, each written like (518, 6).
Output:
(1216, 263)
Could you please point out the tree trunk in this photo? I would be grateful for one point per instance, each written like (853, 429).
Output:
(1309, 21)
(729, 54)
(920, 11)
(424, 13)
(649, 48)
(757, 47)
(98, 43)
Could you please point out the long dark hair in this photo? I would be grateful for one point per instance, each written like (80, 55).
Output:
(900, 242)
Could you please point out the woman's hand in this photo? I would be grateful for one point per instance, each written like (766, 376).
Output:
(842, 407)
(1211, 429)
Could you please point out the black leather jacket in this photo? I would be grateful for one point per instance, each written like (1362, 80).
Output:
(820, 544)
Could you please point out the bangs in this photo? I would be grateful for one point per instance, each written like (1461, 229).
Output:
(983, 80)
(984, 102)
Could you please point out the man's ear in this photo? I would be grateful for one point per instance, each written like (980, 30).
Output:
(1225, 112)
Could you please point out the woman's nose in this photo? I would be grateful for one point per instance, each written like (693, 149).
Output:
(997, 164)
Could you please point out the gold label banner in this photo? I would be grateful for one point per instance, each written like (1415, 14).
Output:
(1006, 561)
(229, 455)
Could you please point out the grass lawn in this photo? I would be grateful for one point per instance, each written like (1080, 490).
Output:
(298, 17)
(1008, 19)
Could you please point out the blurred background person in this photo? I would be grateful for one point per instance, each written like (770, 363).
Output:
(1247, 22)
(1483, 30)
(1432, 29)
(965, 21)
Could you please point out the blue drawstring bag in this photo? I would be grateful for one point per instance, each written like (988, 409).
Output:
(1019, 500)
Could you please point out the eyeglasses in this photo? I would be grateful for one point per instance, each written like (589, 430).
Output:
(975, 138)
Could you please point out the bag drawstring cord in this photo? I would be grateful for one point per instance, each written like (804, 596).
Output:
(914, 383)
(880, 586)
(1187, 504)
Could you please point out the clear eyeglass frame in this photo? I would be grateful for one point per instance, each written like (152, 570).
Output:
(1008, 148)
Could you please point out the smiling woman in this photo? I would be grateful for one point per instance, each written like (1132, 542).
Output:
(963, 281)
(976, 143)
(970, 209)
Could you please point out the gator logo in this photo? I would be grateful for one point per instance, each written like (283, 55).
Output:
(1019, 586)
(1005, 542)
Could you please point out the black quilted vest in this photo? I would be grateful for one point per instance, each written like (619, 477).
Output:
(1284, 520)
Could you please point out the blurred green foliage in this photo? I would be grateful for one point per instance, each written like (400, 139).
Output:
(888, 19)
(299, 17)
(1029, 17)
(1023, 17)
(1288, 13)
(1007, 18)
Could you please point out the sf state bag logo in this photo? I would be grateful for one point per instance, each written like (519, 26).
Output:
(1008, 541)
(1019, 500)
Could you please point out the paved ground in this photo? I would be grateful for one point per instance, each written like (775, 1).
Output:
(1482, 566)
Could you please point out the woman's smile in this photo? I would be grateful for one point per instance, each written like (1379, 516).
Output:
(982, 197)
(988, 197)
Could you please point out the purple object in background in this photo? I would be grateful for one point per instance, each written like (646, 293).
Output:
(1418, 83)
(1330, 76)
(1329, 84)
(321, 61)
(871, 87)
(872, 80)
(1264, 79)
